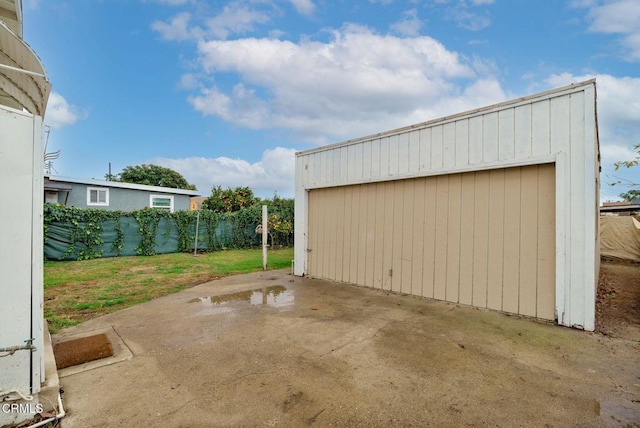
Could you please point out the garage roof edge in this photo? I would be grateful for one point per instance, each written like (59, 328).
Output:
(552, 93)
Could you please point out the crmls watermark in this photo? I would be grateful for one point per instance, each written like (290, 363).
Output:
(29, 408)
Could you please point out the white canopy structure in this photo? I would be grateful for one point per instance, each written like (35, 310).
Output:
(23, 79)
(27, 369)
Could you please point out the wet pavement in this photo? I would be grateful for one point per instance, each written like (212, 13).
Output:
(270, 349)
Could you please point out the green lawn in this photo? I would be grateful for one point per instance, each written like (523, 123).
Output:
(80, 290)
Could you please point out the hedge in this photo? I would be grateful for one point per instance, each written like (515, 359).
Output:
(72, 233)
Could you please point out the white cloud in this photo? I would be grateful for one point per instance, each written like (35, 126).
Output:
(235, 18)
(303, 7)
(273, 173)
(60, 113)
(410, 25)
(618, 101)
(171, 2)
(466, 15)
(357, 82)
(618, 124)
(618, 17)
(622, 16)
(176, 29)
(582, 3)
(615, 153)
(470, 20)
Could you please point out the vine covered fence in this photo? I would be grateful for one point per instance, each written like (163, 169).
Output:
(72, 233)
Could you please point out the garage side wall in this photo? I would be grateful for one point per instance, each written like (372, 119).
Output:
(557, 127)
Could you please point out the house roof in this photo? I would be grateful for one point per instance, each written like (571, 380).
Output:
(619, 207)
(117, 184)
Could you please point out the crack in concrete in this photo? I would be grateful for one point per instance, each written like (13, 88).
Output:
(178, 408)
(234, 380)
(353, 342)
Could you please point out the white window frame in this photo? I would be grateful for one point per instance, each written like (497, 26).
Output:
(97, 204)
(170, 197)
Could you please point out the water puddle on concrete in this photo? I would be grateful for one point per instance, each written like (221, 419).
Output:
(276, 296)
(619, 411)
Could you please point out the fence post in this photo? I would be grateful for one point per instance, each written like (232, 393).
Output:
(195, 244)
(265, 235)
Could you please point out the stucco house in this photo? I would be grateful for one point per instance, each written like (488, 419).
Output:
(114, 195)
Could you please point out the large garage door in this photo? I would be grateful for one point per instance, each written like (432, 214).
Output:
(485, 238)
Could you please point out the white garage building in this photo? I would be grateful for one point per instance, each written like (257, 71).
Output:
(495, 208)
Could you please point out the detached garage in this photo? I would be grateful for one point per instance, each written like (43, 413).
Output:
(495, 208)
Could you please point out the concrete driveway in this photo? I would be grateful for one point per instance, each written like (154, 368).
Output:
(270, 349)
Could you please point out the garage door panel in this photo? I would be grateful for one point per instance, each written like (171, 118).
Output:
(528, 269)
(362, 233)
(483, 238)
(370, 245)
(467, 239)
(429, 238)
(442, 220)
(406, 267)
(387, 251)
(546, 296)
(333, 235)
(352, 267)
(340, 232)
(346, 247)
(396, 238)
(480, 215)
(324, 238)
(378, 267)
(453, 238)
(418, 234)
(312, 235)
(496, 240)
(511, 263)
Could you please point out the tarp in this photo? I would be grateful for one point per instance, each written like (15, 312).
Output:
(58, 242)
(620, 237)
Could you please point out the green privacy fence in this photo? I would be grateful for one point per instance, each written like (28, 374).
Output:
(72, 233)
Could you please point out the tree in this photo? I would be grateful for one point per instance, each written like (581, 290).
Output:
(633, 193)
(152, 175)
(630, 163)
(630, 195)
(229, 200)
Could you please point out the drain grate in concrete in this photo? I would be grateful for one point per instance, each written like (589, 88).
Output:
(82, 350)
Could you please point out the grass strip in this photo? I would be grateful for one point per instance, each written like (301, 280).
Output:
(76, 291)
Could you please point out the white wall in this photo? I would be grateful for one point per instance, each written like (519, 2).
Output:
(555, 126)
(21, 253)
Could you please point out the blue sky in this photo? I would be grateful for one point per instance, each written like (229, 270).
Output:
(226, 92)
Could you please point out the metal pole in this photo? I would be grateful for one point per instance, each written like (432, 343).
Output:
(265, 236)
(22, 70)
(195, 245)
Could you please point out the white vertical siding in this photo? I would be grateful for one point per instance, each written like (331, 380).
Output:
(21, 286)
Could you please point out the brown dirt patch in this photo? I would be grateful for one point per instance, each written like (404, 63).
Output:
(618, 300)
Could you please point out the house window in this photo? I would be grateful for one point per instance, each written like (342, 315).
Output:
(51, 197)
(97, 196)
(162, 202)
